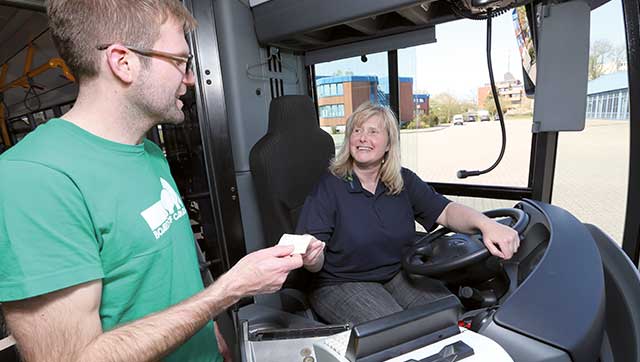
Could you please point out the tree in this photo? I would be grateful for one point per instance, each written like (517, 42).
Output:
(619, 58)
(490, 105)
(604, 57)
(445, 106)
(599, 51)
(422, 121)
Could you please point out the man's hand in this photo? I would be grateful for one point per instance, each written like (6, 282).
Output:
(506, 238)
(65, 325)
(313, 258)
(263, 271)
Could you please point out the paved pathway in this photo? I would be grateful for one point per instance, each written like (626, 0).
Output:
(591, 172)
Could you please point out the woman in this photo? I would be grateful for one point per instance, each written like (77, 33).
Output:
(365, 211)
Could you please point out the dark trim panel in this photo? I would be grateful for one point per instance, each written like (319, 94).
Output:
(216, 141)
(310, 72)
(631, 238)
(482, 191)
(304, 16)
(394, 82)
(545, 147)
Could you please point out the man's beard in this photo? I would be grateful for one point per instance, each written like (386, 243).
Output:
(156, 104)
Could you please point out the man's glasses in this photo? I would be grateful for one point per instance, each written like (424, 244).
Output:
(178, 59)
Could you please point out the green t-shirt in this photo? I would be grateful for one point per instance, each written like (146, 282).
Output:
(75, 207)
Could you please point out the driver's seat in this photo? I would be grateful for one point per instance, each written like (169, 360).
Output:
(285, 164)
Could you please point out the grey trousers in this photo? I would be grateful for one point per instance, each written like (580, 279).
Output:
(358, 302)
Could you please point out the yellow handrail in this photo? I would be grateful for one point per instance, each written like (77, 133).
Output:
(23, 82)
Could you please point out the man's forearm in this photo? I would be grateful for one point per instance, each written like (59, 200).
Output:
(152, 337)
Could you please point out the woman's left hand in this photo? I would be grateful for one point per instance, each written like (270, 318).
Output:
(496, 235)
(314, 255)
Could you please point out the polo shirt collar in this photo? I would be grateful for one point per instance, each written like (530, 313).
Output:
(354, 185)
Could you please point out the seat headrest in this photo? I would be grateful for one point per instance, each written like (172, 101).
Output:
(292, 114)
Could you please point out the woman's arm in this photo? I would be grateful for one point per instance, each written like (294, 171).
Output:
(501, 240)
(313, 259)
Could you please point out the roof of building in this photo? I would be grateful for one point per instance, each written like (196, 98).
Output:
(608, 82)
(346, 78)
(357, 78)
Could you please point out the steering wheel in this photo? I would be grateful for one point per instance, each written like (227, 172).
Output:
(437, 254)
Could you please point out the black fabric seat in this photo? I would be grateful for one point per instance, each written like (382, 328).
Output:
(285, 164)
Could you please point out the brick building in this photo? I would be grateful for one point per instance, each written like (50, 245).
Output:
(339, 96)
(509, 88)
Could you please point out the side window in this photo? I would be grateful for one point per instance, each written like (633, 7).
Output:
(345, 84)
(592, 166)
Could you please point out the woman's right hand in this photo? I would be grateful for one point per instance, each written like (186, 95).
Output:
(313, 258)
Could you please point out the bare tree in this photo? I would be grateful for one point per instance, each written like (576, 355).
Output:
(605, 57)
(445, 106)
(619, 58)
(598, 53)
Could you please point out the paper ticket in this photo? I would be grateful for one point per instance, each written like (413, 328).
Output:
(299, 242)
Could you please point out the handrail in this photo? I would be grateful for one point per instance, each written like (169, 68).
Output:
(53, 63)
(24, 82)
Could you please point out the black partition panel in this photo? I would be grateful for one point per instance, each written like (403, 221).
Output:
(216, 142)
(631, 238)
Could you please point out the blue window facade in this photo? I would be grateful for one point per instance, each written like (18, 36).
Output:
(609, 105)
(332, 111)
(330, 90)
(608, 97)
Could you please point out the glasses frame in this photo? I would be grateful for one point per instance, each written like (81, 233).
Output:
(187, 60)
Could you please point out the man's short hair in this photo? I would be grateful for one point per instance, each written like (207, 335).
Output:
(79, 26)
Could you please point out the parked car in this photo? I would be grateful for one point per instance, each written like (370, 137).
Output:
(484, 116)
(471, 117)
(457, 120)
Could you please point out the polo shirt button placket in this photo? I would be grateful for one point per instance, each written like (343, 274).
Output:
(378, 211)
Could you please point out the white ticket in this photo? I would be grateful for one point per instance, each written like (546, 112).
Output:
(299, 242)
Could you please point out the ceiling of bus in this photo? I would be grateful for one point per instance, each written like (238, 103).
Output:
(303, 26)
(18, 28)
(317, 25)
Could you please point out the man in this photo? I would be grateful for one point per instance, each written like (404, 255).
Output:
(97, 259)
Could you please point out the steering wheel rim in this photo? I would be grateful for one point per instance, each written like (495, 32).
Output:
(467, 249)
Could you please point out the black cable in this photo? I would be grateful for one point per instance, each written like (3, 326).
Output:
(41, 94)
(467, 14)
(31, 90)
(494, 92)
(463, 12)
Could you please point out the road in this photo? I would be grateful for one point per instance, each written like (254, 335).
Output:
(591, 172)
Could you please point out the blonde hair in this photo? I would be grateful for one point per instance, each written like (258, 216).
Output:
(390, 171)
(79, 26)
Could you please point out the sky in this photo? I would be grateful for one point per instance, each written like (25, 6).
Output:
(457, 64)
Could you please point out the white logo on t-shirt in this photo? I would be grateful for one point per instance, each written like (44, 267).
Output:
(160, 215)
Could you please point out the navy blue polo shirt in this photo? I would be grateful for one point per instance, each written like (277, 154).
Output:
(366, 233)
